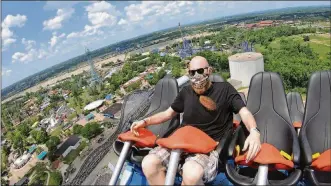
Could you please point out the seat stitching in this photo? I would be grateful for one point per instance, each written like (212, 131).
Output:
(319, 108)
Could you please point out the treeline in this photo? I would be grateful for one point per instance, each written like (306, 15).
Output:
(295, 61)
(132, 69)
(267, 35)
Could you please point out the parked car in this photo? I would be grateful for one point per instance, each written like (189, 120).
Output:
(109, 115)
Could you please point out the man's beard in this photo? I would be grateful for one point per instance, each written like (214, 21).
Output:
(207, 102)
(202, 88)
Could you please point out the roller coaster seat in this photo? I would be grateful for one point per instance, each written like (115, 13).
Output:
(215, 78)
(280, 147)
(165, 93)
(315, 136)
(296, 109)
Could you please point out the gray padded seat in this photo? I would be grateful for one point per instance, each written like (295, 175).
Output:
(166, 90)
(315, 135)
(295, 106)
(267, 102)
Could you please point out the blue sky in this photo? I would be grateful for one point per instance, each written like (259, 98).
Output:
(37, 35)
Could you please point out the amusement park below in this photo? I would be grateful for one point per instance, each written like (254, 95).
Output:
(295, 137)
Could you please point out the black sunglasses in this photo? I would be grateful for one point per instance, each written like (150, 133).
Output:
(199, 70)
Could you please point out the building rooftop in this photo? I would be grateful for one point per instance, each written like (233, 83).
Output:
(116, 107)
(93, 105)
(247, 56)
(23, 181)
(266, 22)
(71, 141)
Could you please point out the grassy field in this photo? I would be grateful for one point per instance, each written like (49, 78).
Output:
(53, 180)
(73, 154)
(321, 49)
(320, 43)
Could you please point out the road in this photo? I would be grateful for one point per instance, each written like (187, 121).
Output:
(48, 178)
(110, 157)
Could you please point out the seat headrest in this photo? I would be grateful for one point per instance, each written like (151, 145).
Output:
(215, 78)
(266, 91)
(295, 106)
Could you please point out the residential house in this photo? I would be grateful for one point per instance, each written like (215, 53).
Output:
(251, 26)
(266, 23)
(67, 146)
(49, 123)
(63, 112)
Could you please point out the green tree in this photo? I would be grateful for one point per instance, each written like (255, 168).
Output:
(52, 143)
(77, 129)
(19, 141)
(4, 161)
(306, 38)
(40, 136)
(161, 73)
(24, 128)
(133, 86)
(57, 177)
(91, 130)
(72, 116)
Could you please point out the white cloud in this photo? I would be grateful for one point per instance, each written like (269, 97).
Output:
(56, 22)
(102, 14)
(55, 39)
(24, 57)
(122, 22)
(14, 21)
(6, 72)
(72, 35)
(9, 22)
(42, 54)
(138, 12)
(28, 43)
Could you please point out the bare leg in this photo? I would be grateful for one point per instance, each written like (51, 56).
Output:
(153, 170)
(192, 173)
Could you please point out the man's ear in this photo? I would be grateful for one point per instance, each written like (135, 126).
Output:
(210, 70)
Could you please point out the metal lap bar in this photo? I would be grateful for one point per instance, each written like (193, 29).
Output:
(120, 162)
(262, 175)
(172, 168)
(299, 131)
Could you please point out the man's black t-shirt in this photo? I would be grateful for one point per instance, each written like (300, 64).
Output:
(215, 123)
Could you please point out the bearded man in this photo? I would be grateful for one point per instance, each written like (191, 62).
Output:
(208, 106)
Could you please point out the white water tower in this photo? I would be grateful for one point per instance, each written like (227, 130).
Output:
(244, 65)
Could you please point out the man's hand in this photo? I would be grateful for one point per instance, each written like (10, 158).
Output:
(136, 125)
(253, 143)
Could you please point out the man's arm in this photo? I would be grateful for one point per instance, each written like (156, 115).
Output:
(253, 142)
(153, 120)
(247, 118)
(160, 117)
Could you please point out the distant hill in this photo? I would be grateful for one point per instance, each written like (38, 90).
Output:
(147, 40)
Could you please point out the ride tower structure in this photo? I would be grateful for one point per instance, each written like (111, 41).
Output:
(246, 46)
(186, 49)
(95, 78)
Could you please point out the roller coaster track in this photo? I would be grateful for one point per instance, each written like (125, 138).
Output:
(134, 106)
